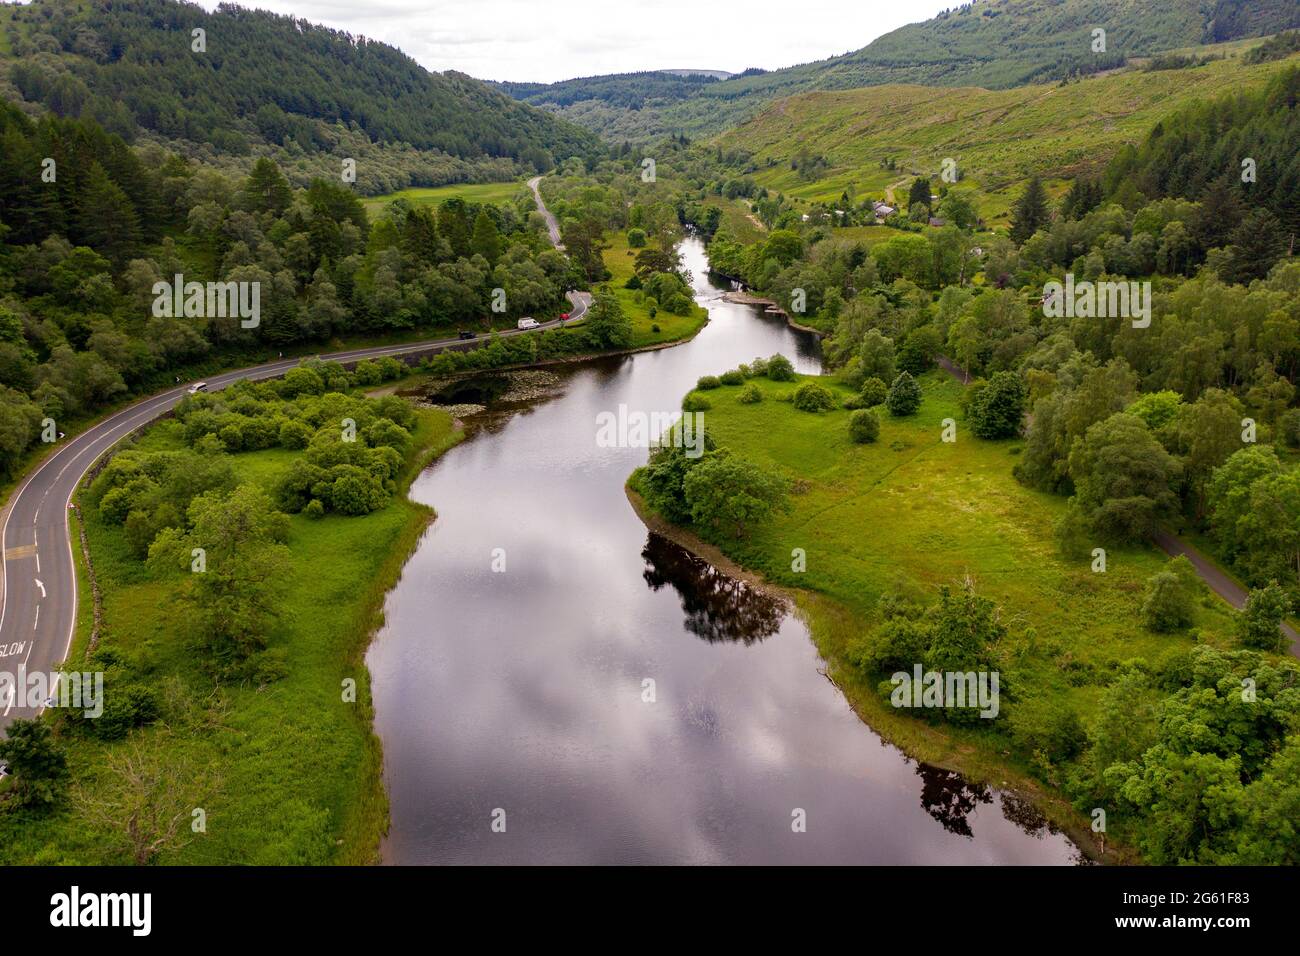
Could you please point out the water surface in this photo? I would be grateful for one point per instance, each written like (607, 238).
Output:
(524, 690)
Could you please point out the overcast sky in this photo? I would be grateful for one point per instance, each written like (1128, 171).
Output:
(547, 40)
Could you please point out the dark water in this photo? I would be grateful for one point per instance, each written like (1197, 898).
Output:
(522, 691)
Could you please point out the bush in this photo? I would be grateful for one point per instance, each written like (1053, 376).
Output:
(695, 402)
(367, 373)
(864, 426)
(874, 392)
(1288, 427)
(708, 382)
(751, 394)
(757, 368)
(294, 435)
(314, 509)
(636, 238)
(391, 368)
(1263, 614)
(1168, 603)
(811, 397)
(734, 377)
(232, 437)
(780, 369)
(904, 396)
(853, 403)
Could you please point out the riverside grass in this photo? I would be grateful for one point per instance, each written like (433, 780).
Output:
(297, 770)
(912, 510)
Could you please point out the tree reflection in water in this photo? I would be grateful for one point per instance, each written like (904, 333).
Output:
(949, 798)
(717, 606)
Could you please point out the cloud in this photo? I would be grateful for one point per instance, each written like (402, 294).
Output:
(561, 39)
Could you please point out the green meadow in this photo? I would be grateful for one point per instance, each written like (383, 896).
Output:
(432, 195)
(285, 772)
(913, 511)
(647, 330)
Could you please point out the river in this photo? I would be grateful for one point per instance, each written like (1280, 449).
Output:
(511, 676)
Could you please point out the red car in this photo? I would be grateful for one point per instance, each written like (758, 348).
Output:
(564, 315)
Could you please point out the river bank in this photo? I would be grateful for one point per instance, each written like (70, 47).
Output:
(832, 625)
(617, 699)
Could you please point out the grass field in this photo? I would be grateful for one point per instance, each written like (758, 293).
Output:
(912, 509)
(287, 772)
(470, 192)
(995, 136)
(671, 328)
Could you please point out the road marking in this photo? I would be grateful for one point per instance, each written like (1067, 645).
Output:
(40, 585)
(37, 622)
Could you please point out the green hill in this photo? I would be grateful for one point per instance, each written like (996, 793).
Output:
(996, 44)
(262, 80)
(996, 137)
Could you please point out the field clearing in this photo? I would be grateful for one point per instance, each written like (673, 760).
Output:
(426, 196)
(619, 260)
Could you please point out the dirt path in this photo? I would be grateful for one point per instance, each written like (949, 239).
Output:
(1219, 581)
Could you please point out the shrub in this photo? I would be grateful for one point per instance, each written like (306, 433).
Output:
(874, 392)
(294, 435)
(864, 426)
(366, 373)
(853, 403)
(904, 396)
(707, 382)
(636, 238)
(232, 438)
(734, 377)
(750, 395)
(695, 402)
(811, 397)
(314, 509)
(780, 369)
(1288, 427)
(391, 368)
(1263, 614)
(758, 368)
(1168, 603)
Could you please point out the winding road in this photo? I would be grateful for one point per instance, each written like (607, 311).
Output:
(38, 604)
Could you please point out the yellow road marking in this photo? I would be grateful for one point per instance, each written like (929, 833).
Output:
(26, 551)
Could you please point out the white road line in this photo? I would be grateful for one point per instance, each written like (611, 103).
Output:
(40, 585)
(37, 622)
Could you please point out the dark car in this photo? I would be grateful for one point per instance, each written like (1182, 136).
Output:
(467, 334)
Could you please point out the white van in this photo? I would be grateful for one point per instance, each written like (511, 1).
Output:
(198, 387)
(527, 323)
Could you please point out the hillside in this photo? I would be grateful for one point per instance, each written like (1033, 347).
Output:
(266, 81)
(995, 136)
(996, 44)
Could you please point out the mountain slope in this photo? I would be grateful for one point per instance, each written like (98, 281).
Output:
(996, 44)
(261, 78)
(870, 137)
